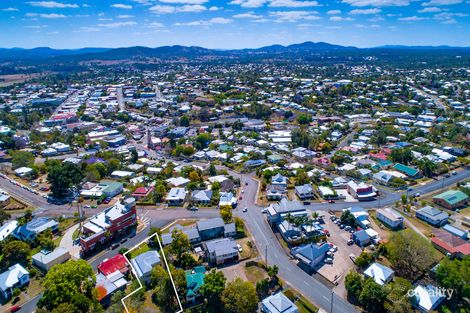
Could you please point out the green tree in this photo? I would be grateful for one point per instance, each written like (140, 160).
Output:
(410, 253)
(15, 251)
(134, 156)
(303, 119)
(240, 297)
(364, 259)
(180, 243)
(353, 284)
(348, 218)
(71, 282)
(427, 166)
(455, 274)
(159, 193)
(372, 296)
(212, 170)
(214, 285)
(46, 240)
(62, 177)
(21, 158)
(4, 216)
(184, 121)
(397, 299)
(226, 213)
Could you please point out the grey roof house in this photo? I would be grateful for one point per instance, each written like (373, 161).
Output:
(432, 216)
(278, 303)
(143, 264)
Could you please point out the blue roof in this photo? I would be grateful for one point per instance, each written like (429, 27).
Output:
(311, 251)
(361, 235)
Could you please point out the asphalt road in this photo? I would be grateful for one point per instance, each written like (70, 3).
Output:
(265, 240)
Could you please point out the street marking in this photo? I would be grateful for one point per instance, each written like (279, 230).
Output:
(135, 274)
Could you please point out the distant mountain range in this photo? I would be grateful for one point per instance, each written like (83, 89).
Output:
(168, 52)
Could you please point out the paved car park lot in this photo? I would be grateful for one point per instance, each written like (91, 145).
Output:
(341, 260)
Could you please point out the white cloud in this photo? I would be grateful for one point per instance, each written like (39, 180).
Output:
(52, 4)
(168, 9)
(184, 1)
(293, 16)
(121, 6)
(125, 16)
(412, 18)
(250, 14)
(155, 25)
(48, 16)
(450, 21)
(163, 9)
(215, 20)
(333, 12)
(448, 17)
(249, 3)
(377, 3)
(441, 2)
(117, 24)
(214, 8)
(430, 10)
(340, 19)
(365, 11)
(192, 8)
(293, 3)
(375, 19)
(9, 10)
(87, 29)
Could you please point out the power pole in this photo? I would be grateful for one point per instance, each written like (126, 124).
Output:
(266, 255)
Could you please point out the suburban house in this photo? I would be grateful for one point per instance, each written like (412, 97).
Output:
(7, 229)
(280, 180)
(30, 230)
(408, 171)
(143, 264)
(432, 216)
(275, 192)
(201, 196)
(288, 231)
(176, 196)
(361, 216)
(192, 233)
(194, 282)
(211, 228)
(311, 255)
(450, 244)
(451, 199)
(427, 298)
(456, 231)
(109, 189)
(108, 224)
(379, 273)
(304, 191)
(107, 285)
(46, 259)
(361, 191)
(383, 177)
(227, 198)
(117, 263)
(278, 212)
(390, 218)
(15, 277)
(278, 303)
(24, 172)
(221, 251)
(142, 192)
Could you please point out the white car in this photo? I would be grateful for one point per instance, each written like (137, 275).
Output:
(264, 211)
(245, 210)
(328, 261)
(239, 248)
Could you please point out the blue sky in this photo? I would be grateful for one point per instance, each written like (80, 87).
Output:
(232, 23)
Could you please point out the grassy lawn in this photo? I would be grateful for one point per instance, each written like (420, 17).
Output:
(141, 249)
(255, 273)
(300, 301)
(67, 223)
(465, 212)
(76, 233)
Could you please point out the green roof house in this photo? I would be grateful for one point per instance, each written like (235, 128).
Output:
(451, 199)
(408, 171)
(194, 282)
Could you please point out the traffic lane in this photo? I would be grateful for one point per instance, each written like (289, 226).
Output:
(31, 305)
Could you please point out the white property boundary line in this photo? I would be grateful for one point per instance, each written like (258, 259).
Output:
(135, 274)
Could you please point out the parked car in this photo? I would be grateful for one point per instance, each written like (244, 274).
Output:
(15, 308)
(114, 246)
(350, 242)
(87, 206)
(331, 201)
(239, 248)
(347, 228)
(246, 183)
(245, 210)
(264, 211)
(328, 261)
(123, 240)
(306, 202)
(454, 173)
(193, 208)
(352, 257)
(341, 226)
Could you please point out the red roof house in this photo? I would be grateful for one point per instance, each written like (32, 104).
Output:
(448, 243)
(116, 263)
(142, 192)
